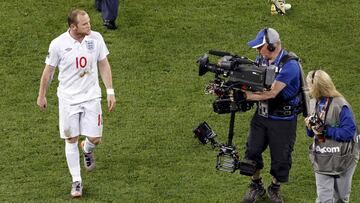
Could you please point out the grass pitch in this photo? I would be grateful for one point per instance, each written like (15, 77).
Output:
(148, 153)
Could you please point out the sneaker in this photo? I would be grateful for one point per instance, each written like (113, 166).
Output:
(256, 191)
(274, 194)
(287, 6)
(279, 6)
(76, 189)
(89, 158)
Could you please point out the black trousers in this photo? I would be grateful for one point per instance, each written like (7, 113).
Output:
(280, 136)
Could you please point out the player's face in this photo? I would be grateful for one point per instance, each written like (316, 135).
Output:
(83, 27)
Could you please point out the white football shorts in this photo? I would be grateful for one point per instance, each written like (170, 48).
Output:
(80, 119)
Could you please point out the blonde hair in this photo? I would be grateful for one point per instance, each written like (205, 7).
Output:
(321, 85)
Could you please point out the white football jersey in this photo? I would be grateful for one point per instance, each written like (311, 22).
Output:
(77, 63)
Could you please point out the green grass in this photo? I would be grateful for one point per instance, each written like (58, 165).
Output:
(148, 153)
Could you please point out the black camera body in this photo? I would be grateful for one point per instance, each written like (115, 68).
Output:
(241, 71)
(233, 75)
(235, 101)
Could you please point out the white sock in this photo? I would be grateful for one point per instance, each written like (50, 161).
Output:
(73, 160)
(88, 146)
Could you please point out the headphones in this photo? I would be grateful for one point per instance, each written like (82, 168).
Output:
(313, 76)
(271, 47)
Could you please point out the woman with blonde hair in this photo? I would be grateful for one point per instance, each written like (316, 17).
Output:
(335, 150)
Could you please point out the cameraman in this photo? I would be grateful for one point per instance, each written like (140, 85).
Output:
(333, 153)
(274, 122)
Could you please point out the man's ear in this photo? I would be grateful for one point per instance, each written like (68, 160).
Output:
(72, 26)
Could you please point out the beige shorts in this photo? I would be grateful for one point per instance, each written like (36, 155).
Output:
(80, 119)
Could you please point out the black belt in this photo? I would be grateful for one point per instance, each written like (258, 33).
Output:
(285, 111)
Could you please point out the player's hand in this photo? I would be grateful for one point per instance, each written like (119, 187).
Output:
(41, 102)
(111, 102)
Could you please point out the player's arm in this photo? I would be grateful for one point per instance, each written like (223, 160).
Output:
(276, 88)
(106, 76)
(45, 81)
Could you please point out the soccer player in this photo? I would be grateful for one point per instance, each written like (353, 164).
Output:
(78, 54)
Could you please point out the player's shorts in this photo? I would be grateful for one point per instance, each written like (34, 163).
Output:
(80, 119)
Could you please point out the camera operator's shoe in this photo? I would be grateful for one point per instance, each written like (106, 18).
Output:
(274, 194)
(256, 191)
(89, 158)
(76, 189)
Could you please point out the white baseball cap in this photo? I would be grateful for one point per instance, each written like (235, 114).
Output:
(272, 35)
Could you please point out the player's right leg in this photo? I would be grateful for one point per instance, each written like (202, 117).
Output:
(73, 162)
(69, 131)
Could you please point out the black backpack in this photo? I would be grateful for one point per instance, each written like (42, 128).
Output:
(304, 90)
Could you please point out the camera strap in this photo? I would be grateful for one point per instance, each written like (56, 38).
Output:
(324, 110)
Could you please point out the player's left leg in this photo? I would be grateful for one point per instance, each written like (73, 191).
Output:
(91, 127)
(88, 145)
(69, 128)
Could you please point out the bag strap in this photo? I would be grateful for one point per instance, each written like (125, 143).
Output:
(304, 90)
(325, 109)
(288, 57)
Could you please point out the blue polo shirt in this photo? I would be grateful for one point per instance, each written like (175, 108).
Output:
(290, 75)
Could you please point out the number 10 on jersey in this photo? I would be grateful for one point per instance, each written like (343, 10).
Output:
(81, 62)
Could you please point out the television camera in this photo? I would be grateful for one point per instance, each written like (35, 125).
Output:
(233, 75)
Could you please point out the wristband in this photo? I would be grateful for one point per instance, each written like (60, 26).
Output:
(110, 92)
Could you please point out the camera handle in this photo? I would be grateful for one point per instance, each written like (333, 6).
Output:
(233, 109)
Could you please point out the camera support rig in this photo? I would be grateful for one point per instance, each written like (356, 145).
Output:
(233, 75)
(227, 159)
